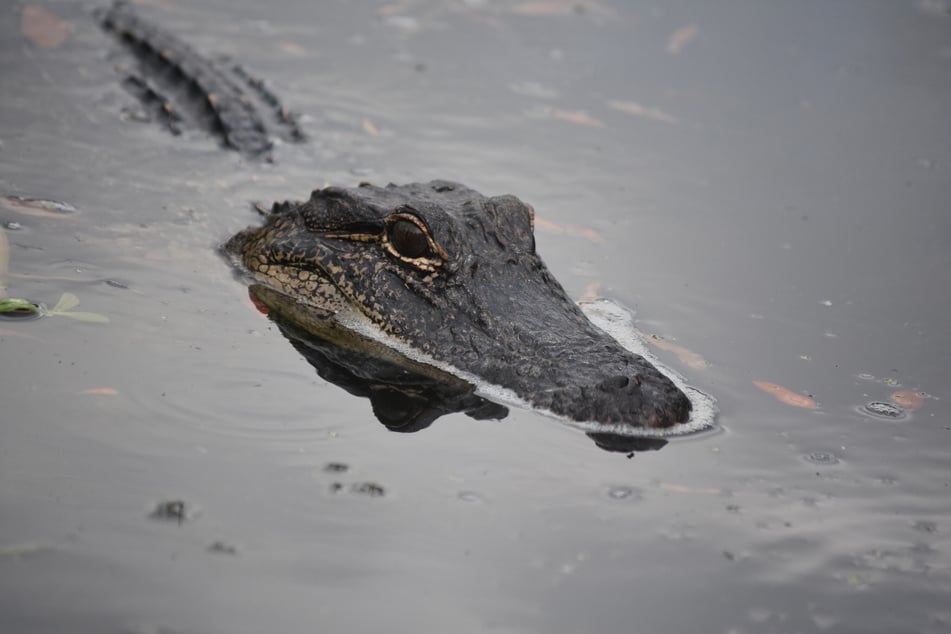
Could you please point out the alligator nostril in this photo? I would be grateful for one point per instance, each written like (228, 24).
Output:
(613, 383)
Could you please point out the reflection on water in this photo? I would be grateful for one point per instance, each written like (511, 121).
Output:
(406, 395)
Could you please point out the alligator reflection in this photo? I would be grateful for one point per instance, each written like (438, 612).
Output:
(406, 396)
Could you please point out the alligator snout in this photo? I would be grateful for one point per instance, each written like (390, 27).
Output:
(641, 399)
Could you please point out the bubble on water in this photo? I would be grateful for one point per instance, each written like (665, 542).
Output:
(824, 458)
(882, 409)
(865, 376)
(470, 496)
(621, 492)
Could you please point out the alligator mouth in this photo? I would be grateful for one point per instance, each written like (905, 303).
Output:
(306, 284)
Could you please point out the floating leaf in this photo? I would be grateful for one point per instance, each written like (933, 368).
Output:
(787, 396)
(295, 50)
(576, 117)
(577, 230)
(64, 308)
(16, 333)
(909, 399)
(391, 9)
(16, 551)
(681, 488)
(369, 128)
(542, 8)
(681, 37)
(563, 7)
(43, 28)
(36, 206)
(636, 109)
(92, 318)
(66, 302)
(687, 357)
(16, 307)
(856, 581)
(592, 293)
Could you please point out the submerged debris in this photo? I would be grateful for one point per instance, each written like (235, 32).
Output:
(222, 548)
(29, 206)
(369, 489)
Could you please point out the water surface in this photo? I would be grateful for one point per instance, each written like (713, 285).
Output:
(766, 186)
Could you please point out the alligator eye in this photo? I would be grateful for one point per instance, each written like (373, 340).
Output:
(408, 239)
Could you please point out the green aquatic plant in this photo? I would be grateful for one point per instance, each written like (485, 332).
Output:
(64, 308)
(19, 307)
(15, 307)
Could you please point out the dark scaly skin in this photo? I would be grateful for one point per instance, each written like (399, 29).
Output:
(228, 108)
(479, 298)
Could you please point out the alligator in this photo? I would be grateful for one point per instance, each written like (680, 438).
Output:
(437, 269)
(182, 87)
(453, 276)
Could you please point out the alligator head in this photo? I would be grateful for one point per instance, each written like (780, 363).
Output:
(455, 276)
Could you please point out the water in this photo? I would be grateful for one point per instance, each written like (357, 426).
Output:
(774, 202)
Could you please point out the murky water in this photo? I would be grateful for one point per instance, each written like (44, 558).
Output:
(766, 186)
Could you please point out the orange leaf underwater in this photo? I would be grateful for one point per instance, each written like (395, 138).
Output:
(787, 396)
(687, 357)
(575, 117)
(101, 391)
(909, 399)
(43, 28)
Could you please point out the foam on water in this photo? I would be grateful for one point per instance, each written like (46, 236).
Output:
(605, 314)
